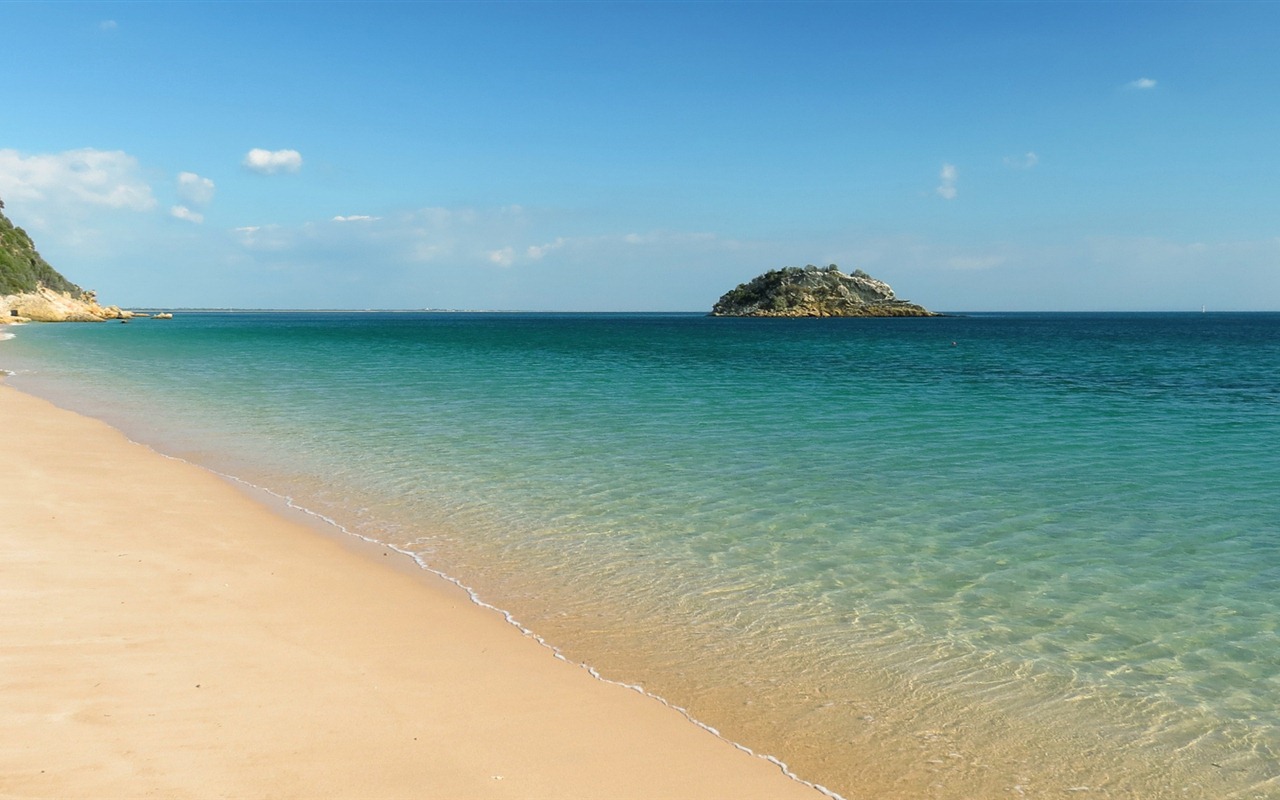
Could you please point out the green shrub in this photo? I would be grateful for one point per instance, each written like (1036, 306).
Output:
(21, 267)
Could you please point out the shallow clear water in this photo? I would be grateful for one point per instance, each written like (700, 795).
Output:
(959, 557)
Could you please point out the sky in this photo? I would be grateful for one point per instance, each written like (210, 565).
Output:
(648, 156)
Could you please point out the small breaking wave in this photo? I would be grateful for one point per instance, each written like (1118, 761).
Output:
(508, 617)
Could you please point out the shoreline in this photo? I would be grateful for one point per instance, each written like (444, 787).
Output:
(868, 703)
(250, 655)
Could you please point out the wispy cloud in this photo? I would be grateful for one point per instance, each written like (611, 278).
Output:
(458, 238)
(269, 162)
(539, 251)
(1024, 161)
(947, 186)
(195, 190)
(630, 241)
(1141, 84)
(108, 25)
(182, 212)
(503, 256)
(272, 238)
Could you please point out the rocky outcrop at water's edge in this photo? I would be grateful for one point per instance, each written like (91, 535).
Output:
(31, 290)
(46, 305)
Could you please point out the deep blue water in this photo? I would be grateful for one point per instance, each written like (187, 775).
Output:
(974, 556)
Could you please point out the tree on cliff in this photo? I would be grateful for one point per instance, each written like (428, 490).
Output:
(21, 267)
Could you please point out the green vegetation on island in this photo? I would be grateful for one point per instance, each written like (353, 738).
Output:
(815, 292)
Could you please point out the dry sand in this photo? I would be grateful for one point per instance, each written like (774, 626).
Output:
(164, 635)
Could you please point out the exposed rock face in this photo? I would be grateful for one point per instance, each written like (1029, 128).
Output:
(46, 305)
(815, 292)
(30, 289)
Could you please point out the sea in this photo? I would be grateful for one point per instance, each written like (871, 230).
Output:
(975, 556)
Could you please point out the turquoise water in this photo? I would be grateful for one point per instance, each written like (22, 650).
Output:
(980, 556)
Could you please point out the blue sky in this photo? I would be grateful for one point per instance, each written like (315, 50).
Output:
(647, 156)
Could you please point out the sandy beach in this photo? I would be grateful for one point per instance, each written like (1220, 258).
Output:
(162, 634)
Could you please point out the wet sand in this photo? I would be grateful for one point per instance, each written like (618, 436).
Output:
(164, 634)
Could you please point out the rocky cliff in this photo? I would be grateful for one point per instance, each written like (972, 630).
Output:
(30, 289)
(46, 305)
(815, 292)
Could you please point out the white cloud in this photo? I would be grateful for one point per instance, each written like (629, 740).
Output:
(461, 235)
(503, 257)
(195, 190)
(1142, 83)
(108, 25)
(271, 238)
(1025, 161)
(947, 188)
(482, 238)
(496, 257)
(269, 162)
(182, 212)
(538, 251)
(653, 239)
(78, 177)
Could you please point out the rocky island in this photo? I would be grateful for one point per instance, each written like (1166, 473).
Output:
(30, 289)
(815, 292)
